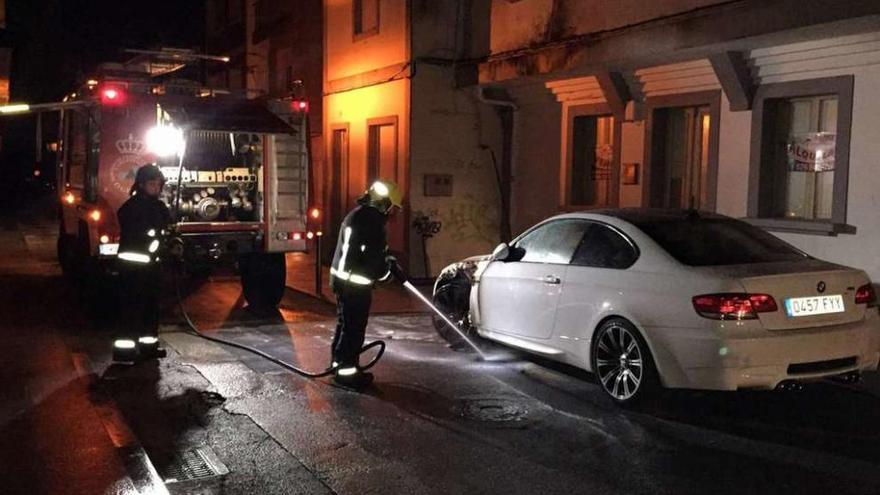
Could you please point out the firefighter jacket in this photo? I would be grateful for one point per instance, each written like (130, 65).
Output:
(143, 223)
(361, 247)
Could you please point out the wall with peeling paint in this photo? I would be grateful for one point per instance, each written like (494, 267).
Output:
(525, 23)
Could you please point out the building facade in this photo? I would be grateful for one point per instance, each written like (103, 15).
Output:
(395, 108)
(763, 111)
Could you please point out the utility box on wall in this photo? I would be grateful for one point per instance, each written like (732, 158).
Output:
(438, 185)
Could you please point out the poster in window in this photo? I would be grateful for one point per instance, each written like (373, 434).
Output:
(602, 166)
(811, 151)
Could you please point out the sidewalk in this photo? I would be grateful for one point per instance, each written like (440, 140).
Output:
(387, 298)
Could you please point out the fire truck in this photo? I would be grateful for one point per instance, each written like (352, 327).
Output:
(237, 171)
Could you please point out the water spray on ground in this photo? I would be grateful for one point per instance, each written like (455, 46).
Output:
(410, 287)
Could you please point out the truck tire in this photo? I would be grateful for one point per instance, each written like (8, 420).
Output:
(66, 255)
(263, 279)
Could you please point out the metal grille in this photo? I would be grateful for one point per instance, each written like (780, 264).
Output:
(193, 464)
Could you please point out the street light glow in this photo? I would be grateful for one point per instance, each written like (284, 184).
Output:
(16, 108)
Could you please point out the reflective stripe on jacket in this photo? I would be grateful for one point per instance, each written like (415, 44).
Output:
(360, 250)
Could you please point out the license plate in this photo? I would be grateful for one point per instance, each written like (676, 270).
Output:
(108, 249)
(817, 305)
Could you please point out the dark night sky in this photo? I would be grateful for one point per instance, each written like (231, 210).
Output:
(57, 41)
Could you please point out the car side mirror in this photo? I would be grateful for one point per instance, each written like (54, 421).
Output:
(501, 253)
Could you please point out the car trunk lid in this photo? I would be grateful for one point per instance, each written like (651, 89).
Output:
(801, 288)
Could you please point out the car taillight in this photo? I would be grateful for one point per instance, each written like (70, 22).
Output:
(733, 306)
(866, 295)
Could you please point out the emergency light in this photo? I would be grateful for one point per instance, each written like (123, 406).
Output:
(111, 95)
(165, 141)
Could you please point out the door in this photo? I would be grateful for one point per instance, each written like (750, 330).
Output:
(520, 296)
(382, 163)
(337, 190)
(680, 165)
(595, 281)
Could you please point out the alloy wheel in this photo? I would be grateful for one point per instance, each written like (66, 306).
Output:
(619, 362)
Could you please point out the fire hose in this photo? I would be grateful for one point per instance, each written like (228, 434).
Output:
(330, 370)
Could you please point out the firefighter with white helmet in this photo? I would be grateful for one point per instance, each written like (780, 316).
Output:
(361, 259)
(144, 224)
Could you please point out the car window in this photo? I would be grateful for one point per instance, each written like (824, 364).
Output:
(604, 247)
(554, 242)
(718, 241)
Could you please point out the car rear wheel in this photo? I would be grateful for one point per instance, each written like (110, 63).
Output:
(623, 363)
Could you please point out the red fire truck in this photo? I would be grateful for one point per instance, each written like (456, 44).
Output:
(237, 172)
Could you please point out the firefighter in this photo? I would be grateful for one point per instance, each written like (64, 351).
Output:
(361, 258)
(144, 224)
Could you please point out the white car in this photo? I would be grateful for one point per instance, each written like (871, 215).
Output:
(668, 298)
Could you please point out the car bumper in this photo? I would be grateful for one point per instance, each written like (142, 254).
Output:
(709, 359)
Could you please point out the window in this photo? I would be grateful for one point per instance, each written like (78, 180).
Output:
(77, 151)
(800, 155)
(804, 131)
(592, 160)
(554, 242)
(366, 18)
(603, 247)
(717, 241)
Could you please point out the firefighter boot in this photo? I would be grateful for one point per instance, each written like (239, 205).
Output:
(125, 351)
(148, 348)
(353, 378)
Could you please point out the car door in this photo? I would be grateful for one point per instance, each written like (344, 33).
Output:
(519, 296)
(596, 281)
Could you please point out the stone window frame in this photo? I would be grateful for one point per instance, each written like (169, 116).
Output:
(842, 87)
(586, 110)
(711, 99)
(357, 36)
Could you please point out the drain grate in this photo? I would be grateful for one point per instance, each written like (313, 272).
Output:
(493, 409)
(193, 464)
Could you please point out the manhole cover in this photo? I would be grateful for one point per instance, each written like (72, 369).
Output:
(493, 409)
(193, 464)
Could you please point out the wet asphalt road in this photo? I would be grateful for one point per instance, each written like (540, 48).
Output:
(436, 421)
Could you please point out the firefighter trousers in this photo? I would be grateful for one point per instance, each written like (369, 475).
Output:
(352, 312)
(140, 288)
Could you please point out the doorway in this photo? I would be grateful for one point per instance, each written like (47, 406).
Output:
(382, 163)
(683, 156)
(337, 183)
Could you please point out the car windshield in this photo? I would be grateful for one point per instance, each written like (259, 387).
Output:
(717, 241)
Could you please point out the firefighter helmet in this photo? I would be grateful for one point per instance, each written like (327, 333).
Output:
(384, 194)
(145, 174)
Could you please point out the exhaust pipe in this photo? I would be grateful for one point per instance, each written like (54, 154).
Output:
(790, 386)
(848, 378)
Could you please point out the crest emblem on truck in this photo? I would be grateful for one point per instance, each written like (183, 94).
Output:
(124, 166)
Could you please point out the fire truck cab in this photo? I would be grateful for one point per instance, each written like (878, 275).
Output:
(237, 174)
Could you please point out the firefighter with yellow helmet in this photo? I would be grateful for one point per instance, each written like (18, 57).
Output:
(360, 260)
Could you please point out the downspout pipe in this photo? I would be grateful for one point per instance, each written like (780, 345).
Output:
(506, 109)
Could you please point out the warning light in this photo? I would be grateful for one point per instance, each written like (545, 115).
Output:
(95, 215)
(37, 173)
(315, 213)
(69, 198)
(299, 106)
(105, 239)
(297, 236)
(112, 96)
(310, 235)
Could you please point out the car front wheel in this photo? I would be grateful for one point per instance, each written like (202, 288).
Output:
(623, 364)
